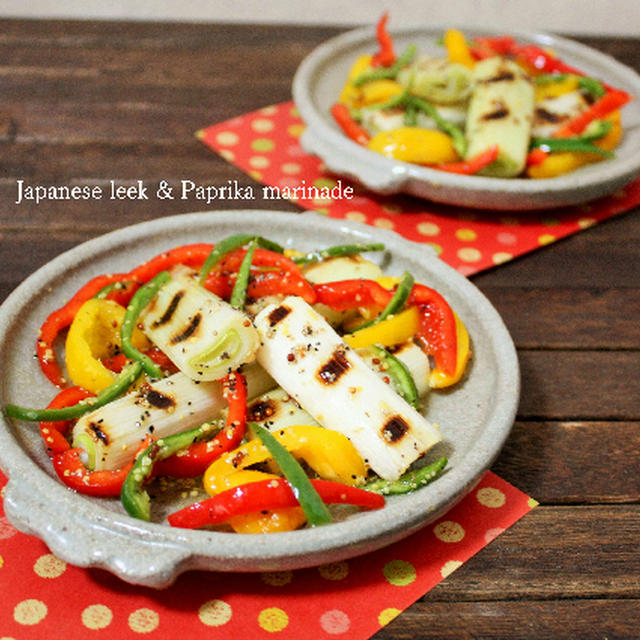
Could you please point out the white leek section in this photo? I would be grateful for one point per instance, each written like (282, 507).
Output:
(203, 335)
(111, 435)
(310, 361)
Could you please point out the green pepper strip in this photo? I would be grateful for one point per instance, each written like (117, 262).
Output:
(315, 510)
(410, 481)
(401, 378)
(453, 130)
(380, 73)
(338, 251)
(239, 293)
(395, 305)
(222, 248)
(134, 498)
(139, 301)
(126, 378)
(590, 85)
(584, 142)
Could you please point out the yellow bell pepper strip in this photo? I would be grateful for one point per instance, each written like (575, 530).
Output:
(95, 334)
(415, 145)
(379, 91)
(351, 95)
(393, 330)
(552, 85)
(60, 319)
(386, 55)
(329, 453)
(458, 138)
(263, 521)
(457, 48)
(267, 494)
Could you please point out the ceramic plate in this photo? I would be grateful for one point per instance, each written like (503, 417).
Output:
(475, 418)
(320, 77)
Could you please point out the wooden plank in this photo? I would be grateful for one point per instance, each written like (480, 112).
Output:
(573, 462)
(554, 553)
(517, 620)
(568, 317)
(575, 385)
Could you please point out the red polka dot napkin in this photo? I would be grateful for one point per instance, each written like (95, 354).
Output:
(43, 597)
(265, 145)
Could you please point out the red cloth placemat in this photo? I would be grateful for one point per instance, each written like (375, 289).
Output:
(43, 597)
(265, 144)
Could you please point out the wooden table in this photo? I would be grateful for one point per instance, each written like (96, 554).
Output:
(92, 102)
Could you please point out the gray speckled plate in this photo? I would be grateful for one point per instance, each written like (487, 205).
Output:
(475, 417)
(322, 74)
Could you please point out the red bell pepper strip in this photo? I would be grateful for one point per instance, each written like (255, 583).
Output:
(386, 55)
(267, 495)
(437, 333)
(286, 279)
(343, 295)
(53, 432)
(487, 47)
(536, 156)
(70, 469)
(472, 165)
(191, 255)
(105, 483)
(220, 284)
(349, 126)
(195, 460)
(271, 283)
(610, 101)
(60, 319)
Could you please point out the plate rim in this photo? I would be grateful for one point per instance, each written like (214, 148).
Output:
(179, 551)
(323, 138)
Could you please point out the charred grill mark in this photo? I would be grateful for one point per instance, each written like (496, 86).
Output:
(395, 429)
(99, 433)
(335, 368)
(189, 330)
(548, 116)
(260, 410)
(278, 314)
(499, 111)
(502, 76)
(159, 400)
(171, 309)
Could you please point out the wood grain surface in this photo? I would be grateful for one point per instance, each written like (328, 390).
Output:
(88, 102)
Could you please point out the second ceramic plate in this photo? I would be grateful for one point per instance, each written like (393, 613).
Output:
(321, 76)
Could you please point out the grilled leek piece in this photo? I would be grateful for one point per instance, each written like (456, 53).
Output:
(204, 336)
(500, 113)
(329, 380)
(111, 435)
